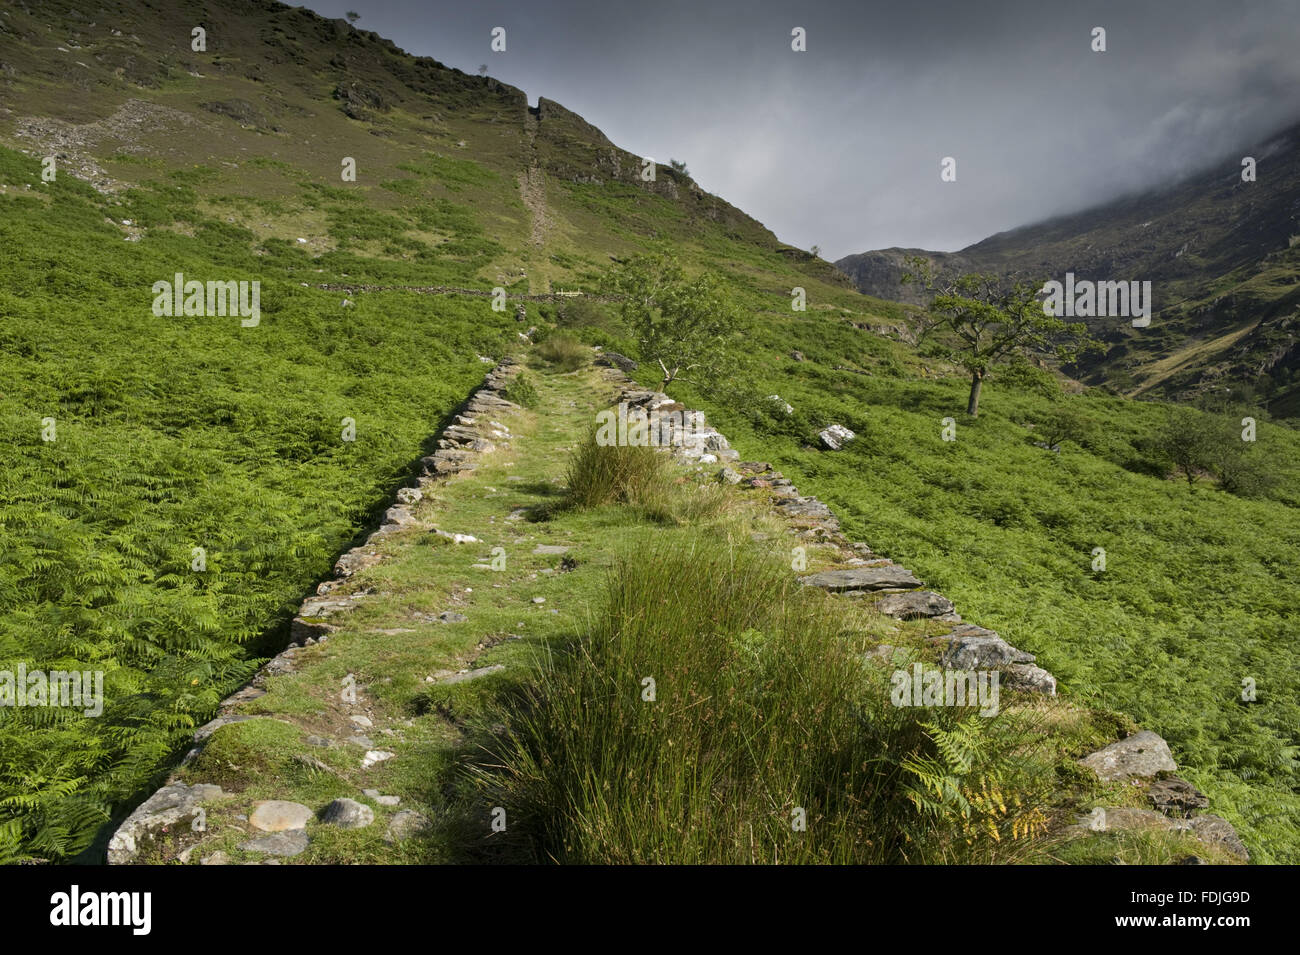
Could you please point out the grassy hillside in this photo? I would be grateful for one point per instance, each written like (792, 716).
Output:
(1197, 594)
(185, 432)
(176, 433)
(172, 434)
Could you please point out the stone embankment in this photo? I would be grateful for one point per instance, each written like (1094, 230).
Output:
(1140, 760)
(282, 825)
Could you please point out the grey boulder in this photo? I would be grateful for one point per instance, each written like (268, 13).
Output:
(347, 814)
(974, 648)
(1142, 755)
(1031, 679)
(912, 606)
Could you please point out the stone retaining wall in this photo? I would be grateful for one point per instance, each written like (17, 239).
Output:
(471, 433)
(1141, 760)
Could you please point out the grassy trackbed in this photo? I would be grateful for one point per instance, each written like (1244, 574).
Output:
(765, 705)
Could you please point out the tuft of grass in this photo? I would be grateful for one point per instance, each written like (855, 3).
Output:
(717, 712)
(522, 392)
(641, 478)
(599, 475)
(563, 352)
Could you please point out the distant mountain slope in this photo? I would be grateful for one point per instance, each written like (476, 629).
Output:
(1222, 256)
(116, 92)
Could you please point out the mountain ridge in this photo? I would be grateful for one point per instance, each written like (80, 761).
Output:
(1220, 251)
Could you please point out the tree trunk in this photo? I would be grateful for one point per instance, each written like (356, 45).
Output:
(976, 383)
(669, 376)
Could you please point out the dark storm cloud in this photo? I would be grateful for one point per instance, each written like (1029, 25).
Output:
(841, 145)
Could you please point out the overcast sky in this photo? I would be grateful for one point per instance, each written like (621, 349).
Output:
(840, 146)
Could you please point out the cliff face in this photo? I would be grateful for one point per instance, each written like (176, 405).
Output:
(880, 273)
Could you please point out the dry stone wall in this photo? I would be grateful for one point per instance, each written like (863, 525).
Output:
(1140, 760)
(472, 432)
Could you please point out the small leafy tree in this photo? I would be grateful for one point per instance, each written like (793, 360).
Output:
(1186, 443)
(991, 319)
(682, 324)
(1198, 443)
(352, 16)
(678, 166)
(1066, 423)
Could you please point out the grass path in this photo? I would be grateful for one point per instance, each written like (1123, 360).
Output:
(382, 712)
(306, 742)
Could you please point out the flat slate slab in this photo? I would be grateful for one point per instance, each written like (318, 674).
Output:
(291, 842)
(1141, 755)
(862, 578)
(278, 815)
(911, 606)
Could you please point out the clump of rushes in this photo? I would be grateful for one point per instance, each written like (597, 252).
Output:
(716, 711)
(641, 478)
(522, 392)
(603, 474)
(562, 352)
